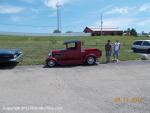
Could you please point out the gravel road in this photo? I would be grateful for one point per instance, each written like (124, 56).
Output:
(103, 88)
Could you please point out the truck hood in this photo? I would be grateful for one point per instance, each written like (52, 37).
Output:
(58, 51)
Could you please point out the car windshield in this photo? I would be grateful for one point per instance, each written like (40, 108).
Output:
(137, 43)
(146, 43)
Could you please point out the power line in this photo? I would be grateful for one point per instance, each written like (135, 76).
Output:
(23, 25)
(42, 26)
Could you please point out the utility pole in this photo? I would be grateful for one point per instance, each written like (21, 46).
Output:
(101, 24)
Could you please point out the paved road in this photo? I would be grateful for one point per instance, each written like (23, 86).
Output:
(105, 88)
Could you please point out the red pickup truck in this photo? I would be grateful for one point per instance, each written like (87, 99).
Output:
(73, 55)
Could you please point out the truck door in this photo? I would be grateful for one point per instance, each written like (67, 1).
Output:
(73, 52)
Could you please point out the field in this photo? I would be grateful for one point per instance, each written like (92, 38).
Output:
(35, 49)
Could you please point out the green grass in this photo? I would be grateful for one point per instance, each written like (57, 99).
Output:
(35, 49)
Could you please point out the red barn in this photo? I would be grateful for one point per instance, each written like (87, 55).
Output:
(105, 31)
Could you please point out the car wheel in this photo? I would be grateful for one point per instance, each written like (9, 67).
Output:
(134, 50)
(51, 63)
(90, 60)
(148, 51)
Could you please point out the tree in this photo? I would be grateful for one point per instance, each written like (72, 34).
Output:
(133, 32)
(143, 33)
(56, 31)
(128, 30)
(69, 32)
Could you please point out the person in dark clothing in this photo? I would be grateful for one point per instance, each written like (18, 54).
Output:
(108, 50)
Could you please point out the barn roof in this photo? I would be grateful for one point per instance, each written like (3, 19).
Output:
(104, 29)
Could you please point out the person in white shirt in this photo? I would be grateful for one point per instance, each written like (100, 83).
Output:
(116, 50)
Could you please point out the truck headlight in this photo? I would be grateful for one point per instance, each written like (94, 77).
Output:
(49, 54)
(15, 56)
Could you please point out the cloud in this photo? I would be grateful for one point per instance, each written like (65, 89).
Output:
(121, 22)
(16, 18)
(145, 7)
(53, 14)
(52, 3)
(121, 10)
(10, 9)
(129, 9)
(144, 22)
(104, 10)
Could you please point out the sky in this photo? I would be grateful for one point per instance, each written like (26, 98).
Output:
(39, 16)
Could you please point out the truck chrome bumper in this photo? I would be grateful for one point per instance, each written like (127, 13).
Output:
(17, 59)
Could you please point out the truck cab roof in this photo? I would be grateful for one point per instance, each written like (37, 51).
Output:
(72, 41)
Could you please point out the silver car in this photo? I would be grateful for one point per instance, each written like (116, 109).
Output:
(141, 46)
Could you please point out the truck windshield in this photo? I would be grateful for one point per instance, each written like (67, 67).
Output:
(71, 46)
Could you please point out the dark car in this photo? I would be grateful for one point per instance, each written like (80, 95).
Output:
(10, 55)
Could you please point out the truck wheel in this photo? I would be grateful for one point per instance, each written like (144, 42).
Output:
(51, 63)
(90, 60)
